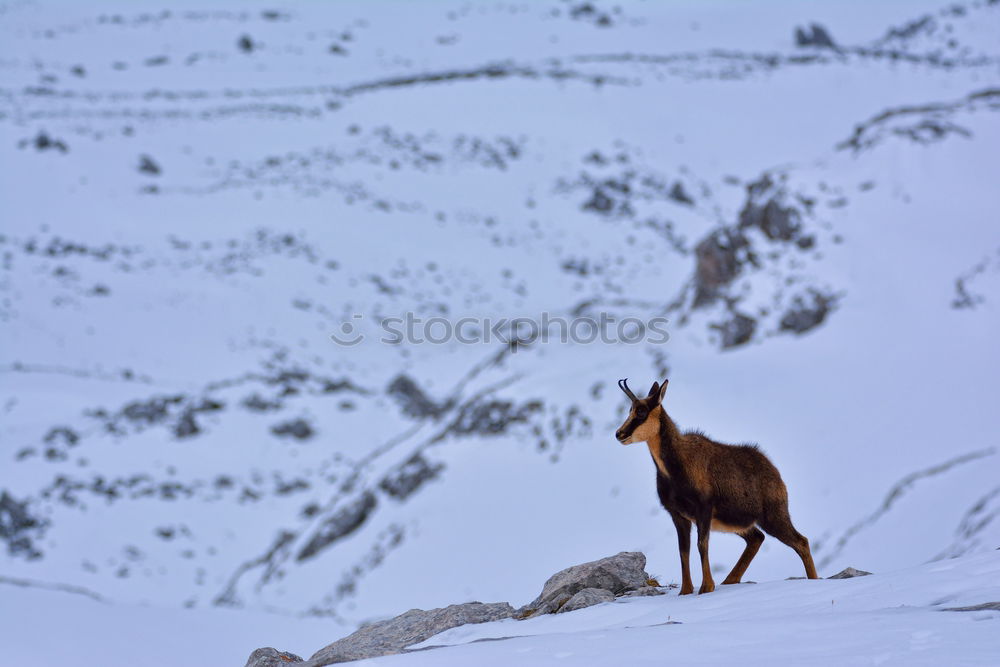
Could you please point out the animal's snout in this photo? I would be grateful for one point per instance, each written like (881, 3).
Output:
(620, 435)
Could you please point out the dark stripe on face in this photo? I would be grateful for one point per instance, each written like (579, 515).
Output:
(630, 425)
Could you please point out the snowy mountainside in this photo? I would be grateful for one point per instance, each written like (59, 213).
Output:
(195, 200)
(928, 614)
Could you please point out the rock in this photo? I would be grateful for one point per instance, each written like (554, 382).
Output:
(803, 315)
(246, 44)
(766, 210)
(15, 524)
(43, 143)
(588, 597)
(186, 426)
(394, 635)
(849, 573)
(492, 417)
(600, 203)
(148, 166)
(413, 400)
(269, 657)
(680, 195)
(618, 574)
(256, 403)
(815, 35)
(646, 591)
(342, 523)
(779, 223)
(985, 606)
(299, 429)
(719, 259)
(403, 480)
(736, 331)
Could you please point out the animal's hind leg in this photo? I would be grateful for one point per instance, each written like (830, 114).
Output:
(780, 526)
(754, 538)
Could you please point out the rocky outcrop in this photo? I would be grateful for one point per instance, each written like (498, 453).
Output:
(413, 400)
(719, 258)
(574, 588)
(394, 635)
(849, 573)
(588, 597)
(16, 527)
(814, 35)
(403, 480)
(299, 429)
(807, 312)
(269, 657)
(735, 331)
(617, 574)
(341, 524)
(985, 606)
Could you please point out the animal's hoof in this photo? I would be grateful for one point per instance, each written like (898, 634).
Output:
(686, 591)
(706, 588)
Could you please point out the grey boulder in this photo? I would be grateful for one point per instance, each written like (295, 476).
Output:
(588, 597)
(849, 573)
(270, 657)
(617, 574)
(394, 635)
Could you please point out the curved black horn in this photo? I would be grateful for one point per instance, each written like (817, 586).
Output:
(623, 385)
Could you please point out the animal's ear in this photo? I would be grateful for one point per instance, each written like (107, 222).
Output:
(663, 389)
(654, 390)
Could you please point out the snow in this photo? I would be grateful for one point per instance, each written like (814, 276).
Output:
(55, 628)
(206, 297)
(891, 618)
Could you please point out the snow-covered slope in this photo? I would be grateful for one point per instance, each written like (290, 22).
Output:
(904, 617)
(194, 200)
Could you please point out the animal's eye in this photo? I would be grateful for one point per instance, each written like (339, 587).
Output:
(641, 414)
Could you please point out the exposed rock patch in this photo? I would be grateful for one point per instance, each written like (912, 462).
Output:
(413, 401)
(849, 573)
(588, 597)
(15, 525)
(269, 657)
(719, 258)
(736, 331)
(148, 166)
(341, 524)
(401, 482)
(492, 417)
(807, 312)
(814, 35)
(648, 591)
(616, 574)
(299, 429)
(985, 606)
(571, 589)
(394, 635)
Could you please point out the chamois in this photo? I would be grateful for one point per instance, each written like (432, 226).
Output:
(728, 488)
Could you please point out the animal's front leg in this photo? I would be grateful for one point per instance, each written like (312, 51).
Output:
(704, 529)
(683, 527)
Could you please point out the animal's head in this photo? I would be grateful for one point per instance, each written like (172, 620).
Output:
(643, 421)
